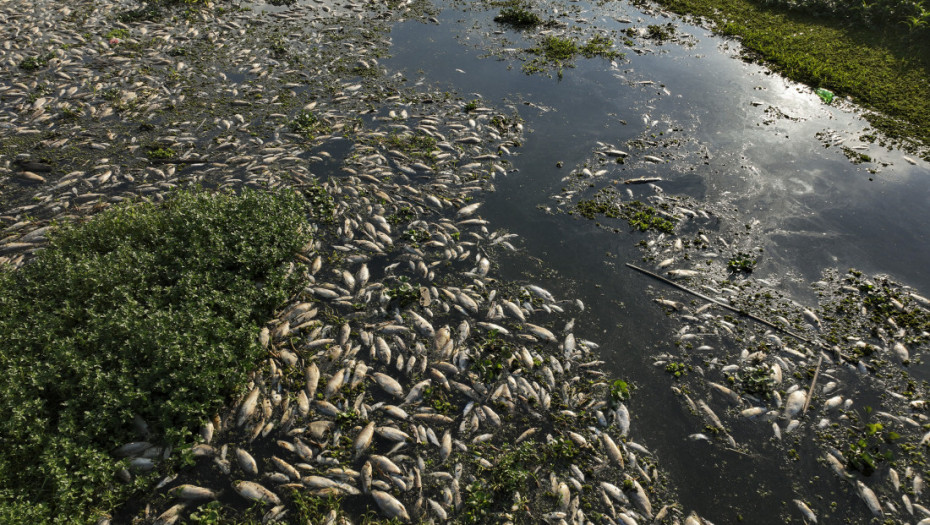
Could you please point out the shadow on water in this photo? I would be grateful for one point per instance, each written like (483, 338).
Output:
(735, 137)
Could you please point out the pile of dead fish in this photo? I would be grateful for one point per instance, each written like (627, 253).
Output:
(393, 404)
(405, 379)
(799, 373)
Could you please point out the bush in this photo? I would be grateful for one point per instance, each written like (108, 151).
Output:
(148, 312)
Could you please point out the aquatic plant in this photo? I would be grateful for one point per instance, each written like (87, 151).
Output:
(145, 313)
(741, 263)
(518, 16)
(619, 391)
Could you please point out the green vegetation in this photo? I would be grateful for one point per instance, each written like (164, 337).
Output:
(646, 218)
(870, 447)
(146, 313)
(36, 62)
(404, 294)
(559, 51)
(660, 32)
(856, 157)
(116, 33)
(619, 391)
(757, 380)
(308, 125)
(415, 145)
(416, 236)
(741, 263)
(518, 16)
(873, 51)
(556, 48)
(161, 153)
(676, 369)
(640, 216)
(494, 352)
(512, 472)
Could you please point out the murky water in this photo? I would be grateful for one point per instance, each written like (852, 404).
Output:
(737, 138)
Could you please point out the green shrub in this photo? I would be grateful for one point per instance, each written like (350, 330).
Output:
(145, 311)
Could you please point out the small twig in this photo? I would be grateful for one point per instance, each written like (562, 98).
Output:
(728, 307)
(810, 391)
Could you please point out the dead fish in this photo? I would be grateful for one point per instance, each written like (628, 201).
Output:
(900, 351)
(246, 462)
(613, 451)
(192, 492)
(795, 403)
(812, 318)
(170, 516)
(312, 376)
(363, 440)
(869, 498)
(248, 407)
(674, 305)
(541, 332)
(390, 506)
(467, 211)
(255, 492)
(388, 384)
(806, 511)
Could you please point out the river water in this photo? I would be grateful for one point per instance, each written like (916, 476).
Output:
(737, 138)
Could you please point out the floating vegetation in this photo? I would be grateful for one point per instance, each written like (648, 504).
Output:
(741, 263)
(161, 153)
(518, 16)
(306, 123)
(640, 216)
(560, 51)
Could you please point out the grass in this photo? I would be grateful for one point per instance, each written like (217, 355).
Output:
(882, 67)
(144, 313)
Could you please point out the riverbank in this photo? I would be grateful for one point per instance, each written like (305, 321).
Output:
(878, 67)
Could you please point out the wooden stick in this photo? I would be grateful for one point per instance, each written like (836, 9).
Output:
(724, 305)
(810, 391)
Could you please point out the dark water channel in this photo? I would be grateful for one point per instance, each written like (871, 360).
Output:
(747, 142)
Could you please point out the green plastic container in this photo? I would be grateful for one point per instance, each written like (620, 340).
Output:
(825, 95)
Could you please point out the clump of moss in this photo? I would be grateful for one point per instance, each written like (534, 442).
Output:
(147, 312)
